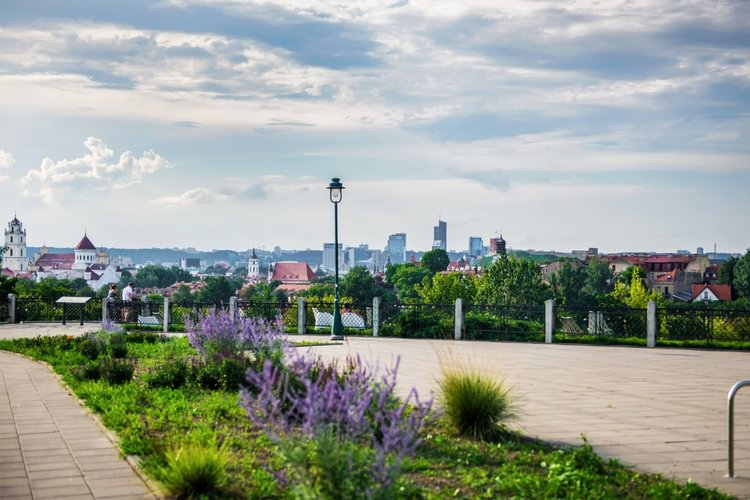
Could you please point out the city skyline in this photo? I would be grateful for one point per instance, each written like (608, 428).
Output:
(219, 124)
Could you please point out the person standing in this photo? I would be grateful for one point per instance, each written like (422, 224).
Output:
(111, 299)
(127, 299)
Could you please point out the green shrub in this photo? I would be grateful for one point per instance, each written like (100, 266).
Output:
(195, 471)
(92, 345)
(475, 404)
(172, 373)
(117, 371)
(143, 337)
(118, 346)
(228, 374)
(91, 370)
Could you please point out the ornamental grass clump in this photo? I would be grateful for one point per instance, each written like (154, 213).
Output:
(476, 404)
(219, 335)
(343, 433)
(195, 471)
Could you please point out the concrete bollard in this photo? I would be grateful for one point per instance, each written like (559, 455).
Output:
(233, 307)
(301, 315)
(549, 320)
(651, 324)
(375, 316)
(11, 308)
(166, 315)
(459, 320)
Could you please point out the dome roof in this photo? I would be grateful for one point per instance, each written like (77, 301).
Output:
(85, 244)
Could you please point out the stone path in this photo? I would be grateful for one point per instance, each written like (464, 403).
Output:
(660, 410)
(50, 447)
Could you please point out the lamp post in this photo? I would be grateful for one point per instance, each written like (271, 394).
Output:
(336, 192)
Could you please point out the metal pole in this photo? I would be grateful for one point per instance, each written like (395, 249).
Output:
(337, 329)
(730, 423)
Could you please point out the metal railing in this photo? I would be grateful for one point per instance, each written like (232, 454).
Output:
(730, 423)
(4, 311)
(319, 315)
(615, 323)
(433, 321)
(500, 322)
(703, 324)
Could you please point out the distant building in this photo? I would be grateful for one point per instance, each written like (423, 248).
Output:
(253, 267)
(329, 256)
(85, 262)
(294, 276)
(397, 248)
(440, 236)
(497, 246)
(16, 258)
(190, 263)
(475, 246)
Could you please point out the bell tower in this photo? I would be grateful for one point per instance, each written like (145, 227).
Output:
(16, 257)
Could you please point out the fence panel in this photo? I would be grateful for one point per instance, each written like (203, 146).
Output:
(354, 316)
(615, 323)
(500, 322)
(4, 311)
(433, 321)
(703, 324)
(178, 312)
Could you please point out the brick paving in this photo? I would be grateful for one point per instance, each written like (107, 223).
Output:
(659, 410)
(50, 446)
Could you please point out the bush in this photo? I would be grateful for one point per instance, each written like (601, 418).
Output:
(144, 337)
(91, 370)
(227, 374)
(194, 471)
(118, 346)
(117, 371)
(173, 373)
(92, 345)
(474, 403)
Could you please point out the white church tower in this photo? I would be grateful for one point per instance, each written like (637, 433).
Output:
(253, 267)
(16, 257)
(85, 254)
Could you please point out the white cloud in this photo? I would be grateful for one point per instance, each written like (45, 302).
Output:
(6, 160)
(56, 179)
(197, 196)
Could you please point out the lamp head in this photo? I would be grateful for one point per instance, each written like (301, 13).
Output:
(336, 190)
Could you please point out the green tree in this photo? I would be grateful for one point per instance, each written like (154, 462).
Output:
(445, 288)
(512, 281)
(263, 293)
(183, 296)
(318, 291)
(436, 260)
(156, 276)
(7, 285)
(359, 285)
(726, 271)
(635, 295)
(404, 277)
(218, 290)
(626, 277)
(568, 284)
(599, 278)
(741, 281)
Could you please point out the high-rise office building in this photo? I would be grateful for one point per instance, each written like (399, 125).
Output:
(397, 248)
(329, 256)
(440, 236)
(475, 246)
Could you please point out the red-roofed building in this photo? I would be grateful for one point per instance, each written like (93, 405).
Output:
(712, 293)
(291, 273)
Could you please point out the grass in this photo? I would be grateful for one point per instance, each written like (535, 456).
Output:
(195, 471)
(154, 422)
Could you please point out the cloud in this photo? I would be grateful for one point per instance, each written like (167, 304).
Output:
(96, 170)
(197, 196)
(6, 160)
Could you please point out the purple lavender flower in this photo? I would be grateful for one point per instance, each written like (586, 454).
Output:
(357, 405)
(110, 326)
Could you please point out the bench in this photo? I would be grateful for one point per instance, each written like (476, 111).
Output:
(148, 321)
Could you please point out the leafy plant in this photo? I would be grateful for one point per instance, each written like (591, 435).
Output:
(193, 471)
(353, 407)
(117, 371)
(475, 403)
(92, 345)
(172, 373)
(118, 347)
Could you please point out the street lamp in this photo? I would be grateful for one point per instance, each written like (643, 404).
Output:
(336, 192)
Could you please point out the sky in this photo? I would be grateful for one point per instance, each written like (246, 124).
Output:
(218, 124)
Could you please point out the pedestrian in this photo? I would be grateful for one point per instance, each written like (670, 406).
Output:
(111, 299)
(127, 299)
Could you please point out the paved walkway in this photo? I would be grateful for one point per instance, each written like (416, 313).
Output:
(660, 410)
(50, 446)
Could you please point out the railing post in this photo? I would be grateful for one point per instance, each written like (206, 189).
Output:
(301, 315)
(549, 320)
(233, 307)
(651, 324)
(105, 310)
(459, 319)
(730, 424)
(11, 308)
(166, 315)
(375, 316)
